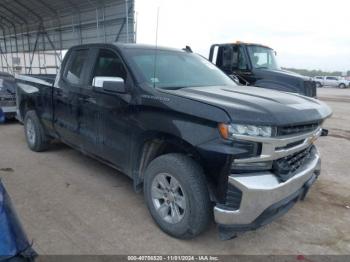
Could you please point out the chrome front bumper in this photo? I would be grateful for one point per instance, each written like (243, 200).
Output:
(262, 190)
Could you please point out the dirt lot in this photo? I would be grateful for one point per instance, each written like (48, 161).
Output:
(71, 204)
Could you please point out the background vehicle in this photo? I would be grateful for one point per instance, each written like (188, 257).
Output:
(8, 95)
(2, 116)
(334, 81)
(256, 65)
(14, 245)
(182, 130)
(319, 80)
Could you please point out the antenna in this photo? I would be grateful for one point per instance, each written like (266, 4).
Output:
(155, 51)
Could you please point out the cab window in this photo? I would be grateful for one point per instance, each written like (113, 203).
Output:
(331, 78)
(109, 64)
(231, 57)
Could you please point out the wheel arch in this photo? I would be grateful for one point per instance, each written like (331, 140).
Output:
(26, 105)
(154, 144)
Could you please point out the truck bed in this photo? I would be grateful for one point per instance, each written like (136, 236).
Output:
(35, 89)
(48, 79)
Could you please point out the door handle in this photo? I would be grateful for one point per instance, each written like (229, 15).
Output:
(59, 93)
(90, 100)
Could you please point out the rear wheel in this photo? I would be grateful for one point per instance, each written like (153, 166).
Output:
(177, 196)
(36, 137)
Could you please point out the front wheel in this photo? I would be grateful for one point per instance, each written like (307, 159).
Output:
(177, 196)
(36, 137)
(342, 85)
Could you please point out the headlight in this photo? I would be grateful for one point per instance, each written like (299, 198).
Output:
(228, 131)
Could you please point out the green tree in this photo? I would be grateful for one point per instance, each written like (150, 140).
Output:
(313, 73)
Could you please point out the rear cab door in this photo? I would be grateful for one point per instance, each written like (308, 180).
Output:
(66, 95)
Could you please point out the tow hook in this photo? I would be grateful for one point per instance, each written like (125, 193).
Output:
(324, 132)
(226, 233)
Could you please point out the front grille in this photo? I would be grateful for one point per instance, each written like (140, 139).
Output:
(298, 129)
(233, 197)
(310, 88)
(285, 168)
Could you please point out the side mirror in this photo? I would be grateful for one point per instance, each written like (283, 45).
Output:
(109, 84)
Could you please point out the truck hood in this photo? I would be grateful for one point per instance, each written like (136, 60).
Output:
(287, 81)
(285, 73)
(259, 106)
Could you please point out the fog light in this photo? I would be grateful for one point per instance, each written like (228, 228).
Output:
(255, 166)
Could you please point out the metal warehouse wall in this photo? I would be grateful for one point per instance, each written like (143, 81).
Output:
(33, 32)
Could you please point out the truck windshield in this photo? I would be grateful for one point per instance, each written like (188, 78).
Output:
(262, 57)
(174, 70)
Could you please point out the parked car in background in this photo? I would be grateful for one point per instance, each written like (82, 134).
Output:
(14, 244)
(334, 81)
(8, 95)
(319, 81)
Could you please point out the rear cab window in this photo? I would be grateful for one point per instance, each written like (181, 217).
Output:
(75, 66)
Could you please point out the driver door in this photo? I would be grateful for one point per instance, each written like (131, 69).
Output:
(111, 112)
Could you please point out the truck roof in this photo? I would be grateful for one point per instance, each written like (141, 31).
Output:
(244, 43)
(145, 46)
(132, 46)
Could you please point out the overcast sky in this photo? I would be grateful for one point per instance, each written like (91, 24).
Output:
(307, 34)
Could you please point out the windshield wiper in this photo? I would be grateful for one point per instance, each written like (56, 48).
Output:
(171, 87)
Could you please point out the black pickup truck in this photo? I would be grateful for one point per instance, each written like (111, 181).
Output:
(194, 141)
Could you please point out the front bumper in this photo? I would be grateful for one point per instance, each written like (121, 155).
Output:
(263, 192)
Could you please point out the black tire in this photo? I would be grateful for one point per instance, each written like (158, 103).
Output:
(40, 142)
(342, 85)
(189, 174)
(318, 84)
